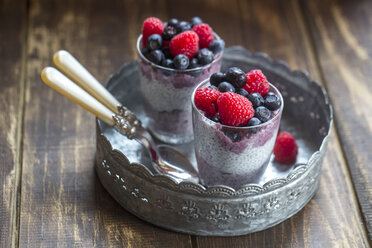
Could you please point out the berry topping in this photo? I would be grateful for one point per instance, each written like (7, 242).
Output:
(196, 20)
(244, 93)
(256, 99)
(181, 62)
(156, 56)
(285, 149)
(183, 26)
(167, 63)
(194, 63)
(185, 43)
(205, 33)
(217, 78)
(226, 87)
(205, 100)
(235, 110)
(236, 77)
(168, 33)
(204, 56)
(173, 22)
(151, 25)
(272, 102)
(217, 46)
(167, 52)
(257, 82)
(212, 87)
(262, 113)
(154, 42)
(254, 122)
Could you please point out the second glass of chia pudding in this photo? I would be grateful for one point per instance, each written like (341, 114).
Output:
(175, 57)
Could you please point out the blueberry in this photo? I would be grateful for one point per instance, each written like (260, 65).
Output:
(217, 46)
(254, 122)
(256, 99)
(216, 118)
(226, 87)
(236, 77)
(242, 92)
(212, 87)
(156, 56)
(262, 113)
(232, 134)
(194, 63)
(154, 42)
(217, 78)
(167, 63)
(183, 26)
(181, 62)
(172, 22)
(272, 102)
(196, 20)
(168, 33)
(167, 52)
(205, 56)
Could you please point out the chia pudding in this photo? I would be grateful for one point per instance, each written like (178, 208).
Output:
(166, 89)
(233, 156)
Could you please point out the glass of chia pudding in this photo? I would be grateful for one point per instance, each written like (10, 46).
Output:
(167, 81)
(234, 155)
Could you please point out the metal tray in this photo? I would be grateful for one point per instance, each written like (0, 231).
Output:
(124, 167)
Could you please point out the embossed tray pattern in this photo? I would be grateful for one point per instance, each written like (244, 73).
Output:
(125, 170)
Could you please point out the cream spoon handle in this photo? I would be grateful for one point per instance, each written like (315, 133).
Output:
(77, 72)
(69, 89)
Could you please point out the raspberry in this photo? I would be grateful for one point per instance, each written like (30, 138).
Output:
(285, 149)
(256, 82)
(185, 43)
(235, 110)
(205, 100)
(151, 25)
(205, 33)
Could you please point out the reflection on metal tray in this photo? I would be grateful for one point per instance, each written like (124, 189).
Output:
(124, 167)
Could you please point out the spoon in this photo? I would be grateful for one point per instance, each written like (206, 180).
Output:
(93, 97)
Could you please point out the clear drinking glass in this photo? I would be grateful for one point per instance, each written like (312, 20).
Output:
(233, 156)
(166, 96)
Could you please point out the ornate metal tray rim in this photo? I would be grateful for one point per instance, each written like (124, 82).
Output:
(248, 189)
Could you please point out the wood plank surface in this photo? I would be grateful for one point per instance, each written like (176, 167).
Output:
(12, 33)
(332, 218)
(342, 34)
(63, 203)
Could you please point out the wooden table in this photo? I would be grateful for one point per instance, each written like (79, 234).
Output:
(49, 193)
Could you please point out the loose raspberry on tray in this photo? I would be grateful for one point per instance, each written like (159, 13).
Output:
(285, 149)
(175, 39)
(235, 105)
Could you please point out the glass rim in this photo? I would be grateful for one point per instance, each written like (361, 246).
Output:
(143, 58)
(239, 128)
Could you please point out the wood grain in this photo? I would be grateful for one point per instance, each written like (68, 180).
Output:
(63, 203)
(332, 218)
(341, 31)
(12, 41)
